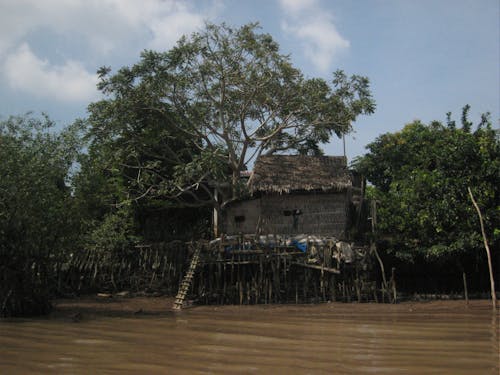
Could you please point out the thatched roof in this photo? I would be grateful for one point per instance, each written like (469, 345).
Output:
(285, 173)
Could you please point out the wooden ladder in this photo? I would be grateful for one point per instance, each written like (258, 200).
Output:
(188, 279)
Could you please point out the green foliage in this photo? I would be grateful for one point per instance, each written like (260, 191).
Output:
(420, 177)
(169, 130)
(37, 225)
(204, 110)
(114, 235)
(106, 243)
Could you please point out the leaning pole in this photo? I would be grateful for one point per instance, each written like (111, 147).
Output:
(486, 246)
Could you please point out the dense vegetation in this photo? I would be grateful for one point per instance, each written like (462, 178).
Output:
(78, 205)
(38, 225)
(168, 131)
(426, 222)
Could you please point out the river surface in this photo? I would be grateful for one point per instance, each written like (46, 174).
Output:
(421, 338)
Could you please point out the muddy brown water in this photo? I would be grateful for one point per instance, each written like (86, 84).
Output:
(138, 336)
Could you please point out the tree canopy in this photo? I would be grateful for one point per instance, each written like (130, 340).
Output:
(420, 177)
(169, 133)
(38, 227)
(205, 110)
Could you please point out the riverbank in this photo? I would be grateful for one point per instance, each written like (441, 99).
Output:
(89, 307)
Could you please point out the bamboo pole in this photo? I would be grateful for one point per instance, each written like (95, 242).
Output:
(373, 249)
(466, 294)
(320, 268)
(393, 283)
(358, 285)
(296, 292)
(358, 289)
(322, 284)
(224, 285)
(333, 288)
(487, 247)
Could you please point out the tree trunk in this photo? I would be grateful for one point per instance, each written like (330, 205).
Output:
(234, 183)
(215, 214)
(487, 247)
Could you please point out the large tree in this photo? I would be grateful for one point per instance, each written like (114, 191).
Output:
(420, 178)
(38, 227)
(206, 109)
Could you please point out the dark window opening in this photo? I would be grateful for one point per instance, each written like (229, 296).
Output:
(239, 219)
(287, 213)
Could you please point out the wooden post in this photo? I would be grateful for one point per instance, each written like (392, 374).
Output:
(276, 283)
(285, 280)
(296, 292)
(466, 294)
(219, 274)
(333, 287)
(306, 284)
(248, 292)
(240, 288)
(224, 287)
(315, 287)
(270, 292)
(487, 247)
(349, 288)
(322, 283)
(266, 290)
(373, 249)
(393, 282)
(358, 289)
(357, 284)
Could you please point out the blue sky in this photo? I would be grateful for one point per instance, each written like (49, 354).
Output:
(423, 57)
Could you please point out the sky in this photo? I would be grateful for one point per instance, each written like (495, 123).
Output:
(424, 58)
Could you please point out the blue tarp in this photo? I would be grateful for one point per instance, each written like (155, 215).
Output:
(300, 245)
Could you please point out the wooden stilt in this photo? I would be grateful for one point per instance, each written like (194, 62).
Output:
(296, 292)
(393, 283)
(466, 294)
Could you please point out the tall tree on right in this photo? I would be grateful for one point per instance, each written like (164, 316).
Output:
(420, 178)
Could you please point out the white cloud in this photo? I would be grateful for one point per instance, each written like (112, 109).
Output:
(296, 6)
(103, 28)
(169, 29)
(103, 23)
(314, 27)
(69, 82)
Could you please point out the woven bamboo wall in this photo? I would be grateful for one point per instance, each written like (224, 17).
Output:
(317, 214)
(249, 210)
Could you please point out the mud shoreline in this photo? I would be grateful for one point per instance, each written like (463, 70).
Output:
(89, 307)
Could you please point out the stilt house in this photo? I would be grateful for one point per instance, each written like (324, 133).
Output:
(296, 194)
